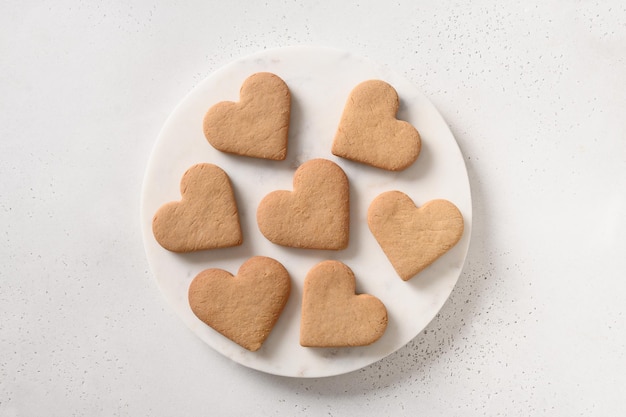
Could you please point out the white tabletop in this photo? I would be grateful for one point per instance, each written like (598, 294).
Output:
(535, 94)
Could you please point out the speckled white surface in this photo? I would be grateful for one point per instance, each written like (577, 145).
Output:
(320, 81)
(534, 94)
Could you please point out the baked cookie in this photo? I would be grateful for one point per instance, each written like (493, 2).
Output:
(333, 315)
(411, 237)
(369, 131)
(205, 218)
(315, 215)
(257, 125)
(245, 307)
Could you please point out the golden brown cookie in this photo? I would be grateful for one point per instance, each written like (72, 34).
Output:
(411, 237)
(257, 125)
(333, 315)
(369, 131)
(245, 307)
(316, 215)
(205, 218)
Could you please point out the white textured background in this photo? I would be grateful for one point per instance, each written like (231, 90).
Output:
(535, 92)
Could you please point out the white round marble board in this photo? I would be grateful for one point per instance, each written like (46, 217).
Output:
(320, 80)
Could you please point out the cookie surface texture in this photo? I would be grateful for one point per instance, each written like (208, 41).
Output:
(315, 215)
(333, 315)
(411, 237)
(244, 308)
(258, 124)
(369, 132)
(205, 218)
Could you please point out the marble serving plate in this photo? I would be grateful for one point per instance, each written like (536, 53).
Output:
(320, 80)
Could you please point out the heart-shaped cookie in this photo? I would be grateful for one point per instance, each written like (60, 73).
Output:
(257, 125)
(316, 215)
(245, 307)
(411, 237)
(205, 218)
(369, 131)
(333, 315)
